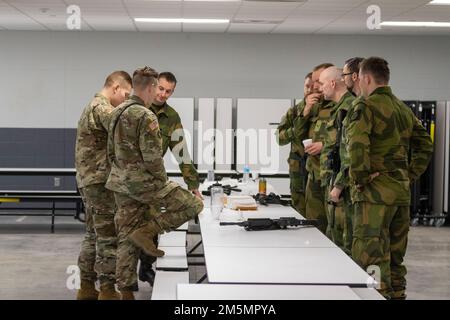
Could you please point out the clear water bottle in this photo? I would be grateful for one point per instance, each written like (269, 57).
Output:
(246, 177)
(210, 176)
(217, 196)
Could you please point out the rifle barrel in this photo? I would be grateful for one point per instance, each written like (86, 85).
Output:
(231, 224)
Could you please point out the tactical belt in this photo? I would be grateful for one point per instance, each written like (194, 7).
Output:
(295, 156)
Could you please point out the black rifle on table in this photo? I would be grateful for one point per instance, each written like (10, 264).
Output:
(226, 189)
(271, 198)
(271, 224)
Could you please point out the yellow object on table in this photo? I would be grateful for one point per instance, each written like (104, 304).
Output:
(9, 200)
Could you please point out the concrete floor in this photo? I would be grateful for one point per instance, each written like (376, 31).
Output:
(34, 262)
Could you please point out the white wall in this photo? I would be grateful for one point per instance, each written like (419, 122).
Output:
(48, 77)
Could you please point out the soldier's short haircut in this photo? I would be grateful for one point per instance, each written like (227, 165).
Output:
(308, 76)
(353, 64)
(323, 66)
(142, 77)
(169, 76)
(378, 68)
(122, 77)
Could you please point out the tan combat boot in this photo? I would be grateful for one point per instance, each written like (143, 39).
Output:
(127, 295)
(108, 292)
(143, 239)
(87, 291)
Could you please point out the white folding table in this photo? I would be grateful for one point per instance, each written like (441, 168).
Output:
(165, 286)
(215, 235)
(326, 266)
(175, 259)
(172, 239)
(301, 256)
(263, 292)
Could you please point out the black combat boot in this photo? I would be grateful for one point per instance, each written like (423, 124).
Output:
(146, 273)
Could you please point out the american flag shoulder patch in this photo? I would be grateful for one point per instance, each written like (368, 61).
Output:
(154, 125)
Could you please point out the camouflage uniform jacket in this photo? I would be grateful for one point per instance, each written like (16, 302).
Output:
(135, 153)
(334, 123)
(169, 123)
(342, 179)
(313, 126)
(381, 132)
(90, 148)
(286, 134)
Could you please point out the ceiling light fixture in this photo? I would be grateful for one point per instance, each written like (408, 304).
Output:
(440, 2)
(212, 0)
(430, 24)
(181, 20)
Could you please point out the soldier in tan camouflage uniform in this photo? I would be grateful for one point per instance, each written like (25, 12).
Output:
(382, 131)
(98, 249)
(139, 181)
(312, 124)
(172, 138)
(331, 171)
(297, 158)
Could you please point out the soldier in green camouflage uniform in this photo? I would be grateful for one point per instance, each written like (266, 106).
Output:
(297, 158)
(98, 249)
(139, 181)
(312, 124)
(381, 132)
(333, 177)
(172, 138)
(172, 131)
(350, 77)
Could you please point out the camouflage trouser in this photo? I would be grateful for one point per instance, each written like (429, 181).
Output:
(144, 258)
(297, 186)
(380, 236)
(315, 203)
(180, 206)
(349, 213)
(298, 201)
(339, 218)
(98, 249)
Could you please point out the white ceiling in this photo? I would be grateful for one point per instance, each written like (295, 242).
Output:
(310, 17)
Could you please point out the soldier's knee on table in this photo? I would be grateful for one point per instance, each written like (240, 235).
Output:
(198, 205)
(183, 200)
(152, 212)
(194, 207)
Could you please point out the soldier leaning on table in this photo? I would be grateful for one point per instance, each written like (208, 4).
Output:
(172, 136)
